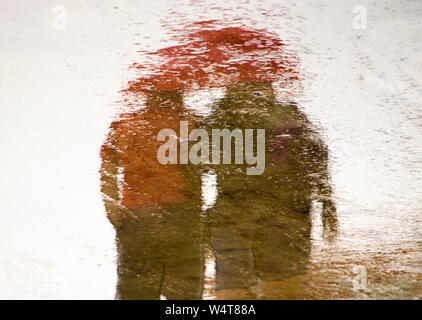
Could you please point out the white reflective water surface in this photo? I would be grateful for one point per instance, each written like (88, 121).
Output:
(361, 88)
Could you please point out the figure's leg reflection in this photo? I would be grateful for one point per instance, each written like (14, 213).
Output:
(159, 256)
(254, 237)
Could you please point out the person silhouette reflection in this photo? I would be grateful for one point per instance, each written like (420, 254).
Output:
(259, 226)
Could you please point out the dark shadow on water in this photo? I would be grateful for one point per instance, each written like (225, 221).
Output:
(258, 229)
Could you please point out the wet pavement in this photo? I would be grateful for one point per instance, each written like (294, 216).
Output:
(336, 213)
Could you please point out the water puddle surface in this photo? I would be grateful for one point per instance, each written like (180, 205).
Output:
(336, 212)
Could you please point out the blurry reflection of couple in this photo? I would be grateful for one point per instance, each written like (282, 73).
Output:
(258, 230)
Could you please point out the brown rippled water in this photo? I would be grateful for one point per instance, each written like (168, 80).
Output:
(336, 214)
